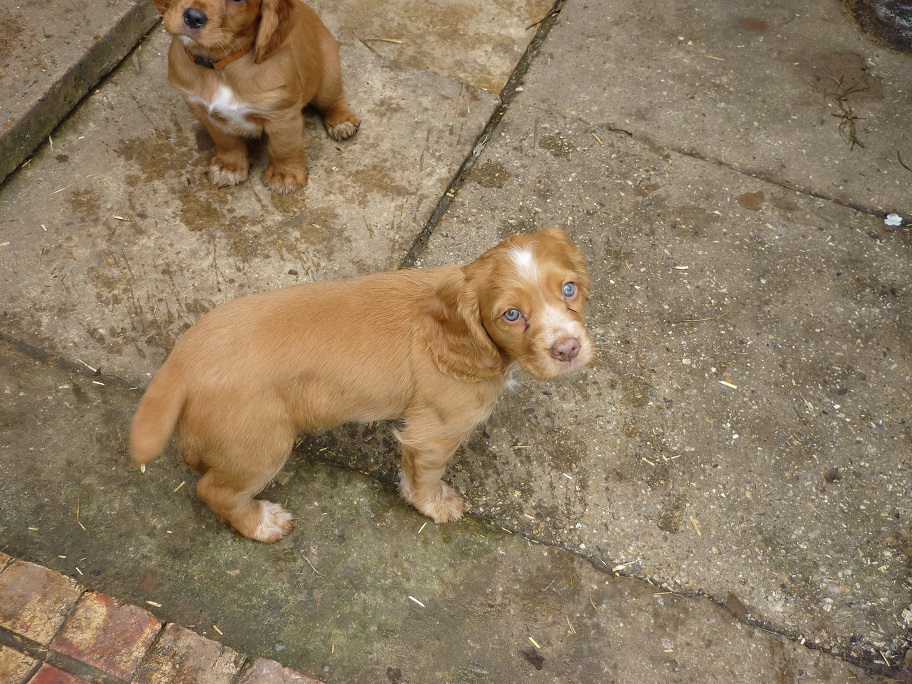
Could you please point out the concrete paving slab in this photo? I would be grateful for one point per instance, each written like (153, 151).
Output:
(51, 54)
(772, 89)
(745, 432)
(472, 41)
(117, 242)
(363, 590)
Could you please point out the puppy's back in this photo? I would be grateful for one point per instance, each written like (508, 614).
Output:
(328, 352)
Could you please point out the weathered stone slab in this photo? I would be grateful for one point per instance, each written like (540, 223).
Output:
(117, 242)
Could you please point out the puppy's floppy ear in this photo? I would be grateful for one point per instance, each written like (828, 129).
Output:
(162, 5)
(458, 341)
(275, 25)
(561, 242)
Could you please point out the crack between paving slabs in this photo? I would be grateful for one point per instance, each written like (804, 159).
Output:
(870, 660)
(507, 94)
(855, 206)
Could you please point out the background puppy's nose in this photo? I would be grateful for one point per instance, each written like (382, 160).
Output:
(566, 349)
(195, 18)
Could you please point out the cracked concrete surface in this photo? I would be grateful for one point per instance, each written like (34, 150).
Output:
(743, 436)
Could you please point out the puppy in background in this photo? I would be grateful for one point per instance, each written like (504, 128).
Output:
(431, 349)
(248, 67)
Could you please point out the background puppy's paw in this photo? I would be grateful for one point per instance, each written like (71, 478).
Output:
(283, 180)
(225, 172)
(341, 123)
(343, 129)
(275, 523)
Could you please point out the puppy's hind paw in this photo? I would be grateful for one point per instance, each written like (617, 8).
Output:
(275, 523)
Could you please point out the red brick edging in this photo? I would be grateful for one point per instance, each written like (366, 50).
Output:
(52, 631)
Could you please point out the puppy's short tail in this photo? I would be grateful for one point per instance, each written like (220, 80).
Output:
(157, 415)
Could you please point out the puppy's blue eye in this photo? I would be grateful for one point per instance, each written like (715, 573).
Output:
(512, 315)
(569, 289)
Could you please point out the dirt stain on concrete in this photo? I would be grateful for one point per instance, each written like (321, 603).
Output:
(846, 73)
(635, 390)
(491, 174)
(198, 212)
(158, 156)
(751, 200)
(672, 513)
(11, 31)
(557, 145)
(85, 204)
(753, 24)
(376, 179)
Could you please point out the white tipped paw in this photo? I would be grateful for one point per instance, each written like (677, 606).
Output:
(343, 129)
(275, 522)
(285, 179)
(443, 504)
(225, 175)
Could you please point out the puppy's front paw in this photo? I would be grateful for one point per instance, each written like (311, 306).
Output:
(442, 504)
(227, 171)
(447, 506)
(275, 523)
(341, 122)
(346, 128)
(284, 179)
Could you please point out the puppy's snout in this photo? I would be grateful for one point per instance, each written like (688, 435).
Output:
(566, 349)
(195, 18)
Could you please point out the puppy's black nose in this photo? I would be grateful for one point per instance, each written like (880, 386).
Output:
(195, 18)
(566, 349)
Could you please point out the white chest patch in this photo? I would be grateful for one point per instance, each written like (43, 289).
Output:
(228, 112)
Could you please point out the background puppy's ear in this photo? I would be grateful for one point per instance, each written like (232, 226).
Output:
(275, 25)
(457, 339)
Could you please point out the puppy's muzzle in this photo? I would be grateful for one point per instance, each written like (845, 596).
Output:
(195, 18)
(566, 349)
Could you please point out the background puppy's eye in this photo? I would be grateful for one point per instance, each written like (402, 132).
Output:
(512, 315)
(569, 289)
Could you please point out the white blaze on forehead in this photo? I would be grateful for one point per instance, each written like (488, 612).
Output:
(524, 261)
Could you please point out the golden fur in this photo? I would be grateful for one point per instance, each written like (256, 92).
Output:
(431, 349)
(291, 60)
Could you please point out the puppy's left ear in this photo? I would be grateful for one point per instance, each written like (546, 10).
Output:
(560, 242)
(275, 25)
(458, 341)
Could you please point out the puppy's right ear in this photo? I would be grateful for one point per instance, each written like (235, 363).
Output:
(162, 5)
(458, 341)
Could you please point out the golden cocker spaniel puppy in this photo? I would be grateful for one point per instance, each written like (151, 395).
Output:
(248, 67)
(431, 349)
